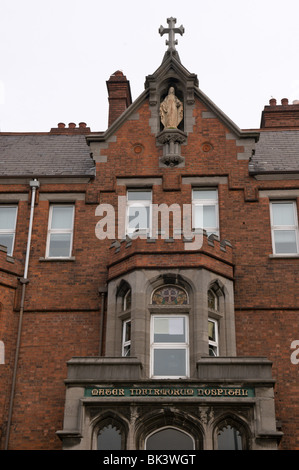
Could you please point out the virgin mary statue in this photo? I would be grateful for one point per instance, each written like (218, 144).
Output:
(171, 110)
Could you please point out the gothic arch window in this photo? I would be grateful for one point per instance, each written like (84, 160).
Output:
(169, 438)
(231, 434)
(110, 434)
(109, 438)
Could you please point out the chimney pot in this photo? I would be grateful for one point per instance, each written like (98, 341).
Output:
(72, 125)
(272, 102)
(61, 125)
(82, 124)
(284, 101)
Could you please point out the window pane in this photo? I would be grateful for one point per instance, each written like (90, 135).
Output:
(169, 330)
(139, 217)
(229, 439)
(212, 332)
(204, 194)
(127, 351)
(283, 214)
(198, 217)
(7, 240)
(285, 241)
(170, 362)
(209, 216)
(139, 195)
(169, 439)
(60, 244)
(109, 439)
(62, 217)
(7, 218)
(127, 333)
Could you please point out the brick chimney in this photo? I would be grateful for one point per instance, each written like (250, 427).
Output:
(119, 95)
(284, 115)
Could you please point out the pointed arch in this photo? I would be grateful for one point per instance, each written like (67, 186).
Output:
(231, 433)
(109, 431)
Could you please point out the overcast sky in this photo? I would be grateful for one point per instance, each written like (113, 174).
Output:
(56, 55)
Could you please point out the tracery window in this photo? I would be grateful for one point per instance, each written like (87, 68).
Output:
(170, 295)
(109, 438)
(229, 438)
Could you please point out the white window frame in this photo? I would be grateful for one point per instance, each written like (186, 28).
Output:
(293, 227)
(214, 344)
(206, 202)
(139, 203)
(57, 231)
(174, 345)
(11, 231)
(126, 343)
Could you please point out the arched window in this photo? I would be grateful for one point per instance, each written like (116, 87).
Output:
(212, 300)
(229, 438)
(127, 300)
(170, 295)
(109, 438)
(169, 439)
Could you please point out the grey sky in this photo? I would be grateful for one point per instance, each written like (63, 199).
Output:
(55, 56)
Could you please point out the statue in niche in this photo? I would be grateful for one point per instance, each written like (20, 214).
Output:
(171, 110)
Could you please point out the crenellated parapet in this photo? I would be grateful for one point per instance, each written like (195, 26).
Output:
(149, 253)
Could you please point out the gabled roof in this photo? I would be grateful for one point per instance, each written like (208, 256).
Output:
(45, 155)
(170, 67)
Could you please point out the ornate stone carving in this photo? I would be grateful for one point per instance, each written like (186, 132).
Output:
(171, 139)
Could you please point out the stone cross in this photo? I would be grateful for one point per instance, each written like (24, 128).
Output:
(171, 31)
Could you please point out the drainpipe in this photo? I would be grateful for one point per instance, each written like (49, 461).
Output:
(103, 292)
(34, 184)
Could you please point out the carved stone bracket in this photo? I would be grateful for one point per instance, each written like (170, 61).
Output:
(171, 139)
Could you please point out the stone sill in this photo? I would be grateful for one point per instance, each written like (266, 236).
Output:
(283, 256)
(72, 258)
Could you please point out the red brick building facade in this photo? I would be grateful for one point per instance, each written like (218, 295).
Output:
(138, 335)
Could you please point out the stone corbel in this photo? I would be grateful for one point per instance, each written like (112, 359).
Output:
(171, 139)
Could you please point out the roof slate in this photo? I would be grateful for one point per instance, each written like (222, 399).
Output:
(45, 155)
(276, 152)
